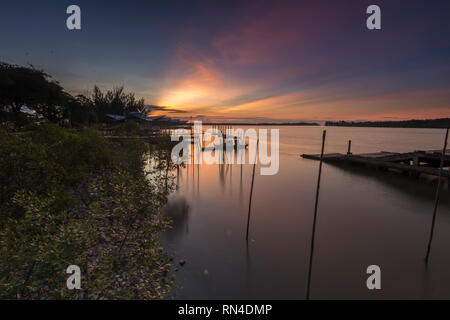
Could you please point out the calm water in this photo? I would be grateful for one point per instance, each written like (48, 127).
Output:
(365, 217)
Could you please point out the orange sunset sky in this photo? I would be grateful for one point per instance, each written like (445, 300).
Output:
(247, 61)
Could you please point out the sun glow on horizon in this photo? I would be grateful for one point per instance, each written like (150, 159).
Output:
(181, 98)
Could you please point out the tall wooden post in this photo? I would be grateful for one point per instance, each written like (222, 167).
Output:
(436, 201)
(311, 253)
(349, 147)
(251, 193)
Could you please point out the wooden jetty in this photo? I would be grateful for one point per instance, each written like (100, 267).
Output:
(415, 162)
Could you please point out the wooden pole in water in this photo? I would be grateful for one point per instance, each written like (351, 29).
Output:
(311, 253)
(349, 147)
(436, 201)
(251, 192)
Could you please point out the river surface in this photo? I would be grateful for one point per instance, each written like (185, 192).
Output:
(365, 217)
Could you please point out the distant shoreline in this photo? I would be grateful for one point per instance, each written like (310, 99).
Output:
(441, 123)
(260, 124)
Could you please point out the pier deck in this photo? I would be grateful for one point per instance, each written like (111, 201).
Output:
(415, 162)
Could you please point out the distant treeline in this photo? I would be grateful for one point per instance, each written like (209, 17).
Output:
(429, 123)
(262, 124)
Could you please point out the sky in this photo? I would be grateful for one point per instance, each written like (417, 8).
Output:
(251, 61)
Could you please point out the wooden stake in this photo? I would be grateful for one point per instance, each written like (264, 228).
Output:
(178, 177)
(349, 147)
(436, 201)
(311, 253)
(251, 192)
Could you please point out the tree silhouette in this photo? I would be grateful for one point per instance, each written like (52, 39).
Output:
(115, 101)
(80, 110)
(26, 86)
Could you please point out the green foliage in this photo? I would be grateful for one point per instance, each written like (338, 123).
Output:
(37, 246)
(46, 156)
(69, 197)
(132, 264)
(128, 128)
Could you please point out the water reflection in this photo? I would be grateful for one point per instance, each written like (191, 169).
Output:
(365, 217)
(177, 209)
(422, 186)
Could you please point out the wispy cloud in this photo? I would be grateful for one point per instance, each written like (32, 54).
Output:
(164, 109)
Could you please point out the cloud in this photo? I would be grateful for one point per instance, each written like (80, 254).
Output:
(166, 109)
(295, 60)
